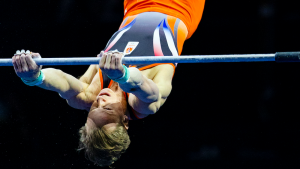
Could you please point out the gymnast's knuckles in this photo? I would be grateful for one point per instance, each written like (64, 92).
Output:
(110, 64)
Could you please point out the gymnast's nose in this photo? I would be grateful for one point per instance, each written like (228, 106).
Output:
(101, 99)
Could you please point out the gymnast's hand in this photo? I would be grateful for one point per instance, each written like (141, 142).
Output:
(25, 67)
(110, 63)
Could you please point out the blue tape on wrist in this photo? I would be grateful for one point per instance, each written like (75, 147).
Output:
(124, 78)
(35, 82)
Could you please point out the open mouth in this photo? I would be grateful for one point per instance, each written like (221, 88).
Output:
(104, 93)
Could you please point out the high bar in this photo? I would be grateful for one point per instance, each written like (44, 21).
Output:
(278, 57)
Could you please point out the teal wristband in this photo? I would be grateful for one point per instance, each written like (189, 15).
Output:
(124, 78)
(37, 81)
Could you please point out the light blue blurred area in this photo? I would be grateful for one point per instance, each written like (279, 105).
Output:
(3, 112)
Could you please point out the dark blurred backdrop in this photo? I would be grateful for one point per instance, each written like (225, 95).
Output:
(220, 115)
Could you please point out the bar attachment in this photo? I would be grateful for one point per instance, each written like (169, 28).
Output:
(287, 57)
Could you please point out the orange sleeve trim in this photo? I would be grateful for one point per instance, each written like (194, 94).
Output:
(110, 83)
(133, 111)
(132, 66)
(155, 64)
(101, 78)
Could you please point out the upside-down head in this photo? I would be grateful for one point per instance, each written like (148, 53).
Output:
(104, 137)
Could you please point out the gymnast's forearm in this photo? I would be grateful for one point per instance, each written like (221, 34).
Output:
(142, 87)
(61, 82)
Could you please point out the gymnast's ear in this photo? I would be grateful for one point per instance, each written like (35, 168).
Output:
(125, 122)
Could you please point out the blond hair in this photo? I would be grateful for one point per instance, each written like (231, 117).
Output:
(101, 147)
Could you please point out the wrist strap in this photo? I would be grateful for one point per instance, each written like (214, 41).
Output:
(35, 82)
(124, 78)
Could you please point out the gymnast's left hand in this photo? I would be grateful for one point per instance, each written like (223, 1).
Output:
(110, 63)
(24, 65)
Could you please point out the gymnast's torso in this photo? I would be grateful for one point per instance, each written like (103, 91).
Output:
(141, 34)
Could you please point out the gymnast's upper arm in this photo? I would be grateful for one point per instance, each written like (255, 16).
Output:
(163, 81)
(89, 75)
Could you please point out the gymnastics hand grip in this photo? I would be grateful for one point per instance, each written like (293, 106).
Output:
(287, 57)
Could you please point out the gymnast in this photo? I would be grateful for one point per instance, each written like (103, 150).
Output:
(113, 93)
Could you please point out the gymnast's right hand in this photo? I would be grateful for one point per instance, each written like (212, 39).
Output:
(25, 67)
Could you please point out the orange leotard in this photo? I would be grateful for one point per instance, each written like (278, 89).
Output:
(189, 11)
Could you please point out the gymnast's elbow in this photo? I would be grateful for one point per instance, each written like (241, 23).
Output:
(151, 97)
(154, 107)
(154, 104)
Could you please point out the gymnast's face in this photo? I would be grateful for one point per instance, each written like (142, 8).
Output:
(107, 111)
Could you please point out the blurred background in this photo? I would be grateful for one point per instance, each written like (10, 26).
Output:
(219, 115)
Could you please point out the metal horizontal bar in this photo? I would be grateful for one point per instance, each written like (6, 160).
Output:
(154, 59)
(201, 59)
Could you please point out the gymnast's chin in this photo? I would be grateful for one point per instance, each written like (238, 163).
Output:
(104, 137)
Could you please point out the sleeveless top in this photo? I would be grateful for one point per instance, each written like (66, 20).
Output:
(153, 35)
